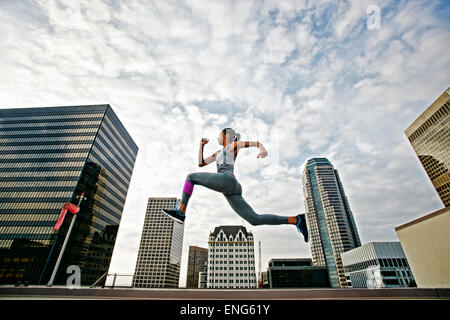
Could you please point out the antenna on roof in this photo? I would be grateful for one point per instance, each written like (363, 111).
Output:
(259, 267)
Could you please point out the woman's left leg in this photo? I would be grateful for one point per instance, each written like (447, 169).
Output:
(242, 208)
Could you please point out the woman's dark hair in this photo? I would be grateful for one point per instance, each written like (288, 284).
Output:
(235, 136)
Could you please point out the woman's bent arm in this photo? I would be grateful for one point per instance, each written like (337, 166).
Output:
(203, 162)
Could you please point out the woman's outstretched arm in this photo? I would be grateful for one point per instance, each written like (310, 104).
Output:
(203, 162)
(247, 144)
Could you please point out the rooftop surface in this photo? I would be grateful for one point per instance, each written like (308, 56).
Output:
(43, 292)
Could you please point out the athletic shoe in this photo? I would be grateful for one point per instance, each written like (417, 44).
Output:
(302, 227)
(175, 214)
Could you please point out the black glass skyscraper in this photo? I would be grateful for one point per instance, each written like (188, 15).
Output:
(48, 156)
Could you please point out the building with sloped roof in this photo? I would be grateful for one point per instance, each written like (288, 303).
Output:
(231, 258)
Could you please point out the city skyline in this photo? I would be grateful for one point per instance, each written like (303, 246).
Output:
(175, 72)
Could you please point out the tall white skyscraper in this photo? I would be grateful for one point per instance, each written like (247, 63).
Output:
(330, 220)
(159, 258)
(231, 258)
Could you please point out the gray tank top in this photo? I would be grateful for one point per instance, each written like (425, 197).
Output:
(225, 160)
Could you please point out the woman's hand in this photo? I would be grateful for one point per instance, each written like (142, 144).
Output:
(262, 152)
(204, 141)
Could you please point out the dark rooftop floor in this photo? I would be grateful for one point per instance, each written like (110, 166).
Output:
(43, 292)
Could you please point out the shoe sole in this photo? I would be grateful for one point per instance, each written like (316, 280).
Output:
(307, 238)
(172, 217)
(306, 228)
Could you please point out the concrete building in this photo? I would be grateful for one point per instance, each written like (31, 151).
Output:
(159, 258)
(264, 280)
(429, 135)
(426, 242)
(48, 157)
(296, 273)
(197, 259)
(330, 220)
(377, 265)
(231, 258)
(203, 277)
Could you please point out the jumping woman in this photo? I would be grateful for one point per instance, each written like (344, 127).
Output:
(226, 183)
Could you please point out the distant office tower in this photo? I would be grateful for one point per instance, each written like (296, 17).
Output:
(429, 135)
(265, 280)
(377, 265)
(48, 156)
(296, 273)
(203, 277)
(231, 258)
(159, 258)
(332, 227)
(196, 262)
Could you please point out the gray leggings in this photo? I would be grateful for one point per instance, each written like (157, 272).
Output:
(227, 184)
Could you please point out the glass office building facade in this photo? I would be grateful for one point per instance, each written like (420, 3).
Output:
(377, 265)
(49, 156)
(330, 220)
(429, 135)
(296, 273)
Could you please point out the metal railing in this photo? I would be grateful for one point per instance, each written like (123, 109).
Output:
(118, 280)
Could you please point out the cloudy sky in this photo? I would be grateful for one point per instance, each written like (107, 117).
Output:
(305, 78)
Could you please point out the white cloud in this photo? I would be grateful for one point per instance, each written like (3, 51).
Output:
(278, 44)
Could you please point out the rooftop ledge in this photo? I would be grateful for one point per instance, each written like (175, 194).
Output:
(43, 292)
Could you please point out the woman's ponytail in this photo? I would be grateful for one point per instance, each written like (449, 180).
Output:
(232, 133)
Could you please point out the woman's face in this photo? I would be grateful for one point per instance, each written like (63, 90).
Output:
(221, 138)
